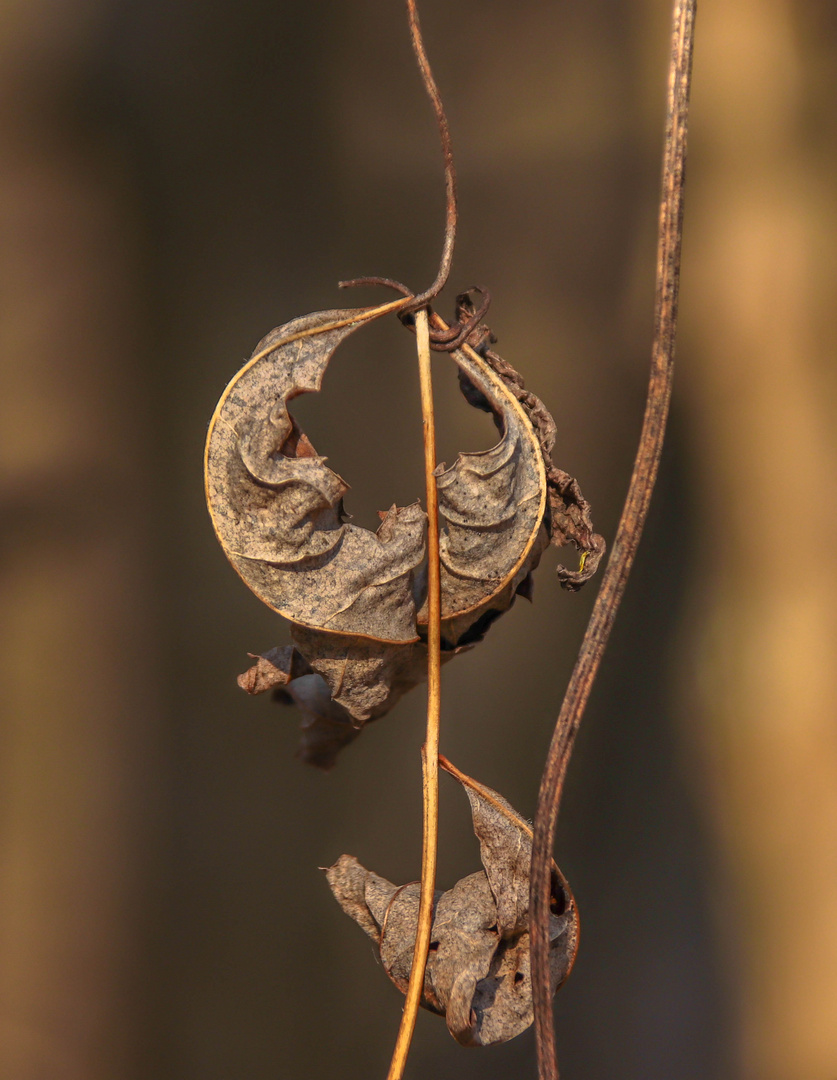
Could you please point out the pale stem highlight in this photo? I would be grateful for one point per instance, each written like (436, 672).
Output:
(430, 750)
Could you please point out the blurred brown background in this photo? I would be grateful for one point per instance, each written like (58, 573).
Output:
(175, 180)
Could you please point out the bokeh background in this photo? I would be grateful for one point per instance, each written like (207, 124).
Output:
(177, 179)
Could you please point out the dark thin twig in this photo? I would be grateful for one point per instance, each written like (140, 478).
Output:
(629, 530)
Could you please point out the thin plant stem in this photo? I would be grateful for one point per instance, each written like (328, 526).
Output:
(430, 750)
(447, 155)
(411, 303)
(628, 532)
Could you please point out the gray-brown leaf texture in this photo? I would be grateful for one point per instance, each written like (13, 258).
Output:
(477, 973)
(356, 599)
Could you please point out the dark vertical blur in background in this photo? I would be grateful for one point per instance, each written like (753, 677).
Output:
(177, 179)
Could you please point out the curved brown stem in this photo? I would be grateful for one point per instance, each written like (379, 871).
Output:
(629, 530)
(410, 302)
(447, 154)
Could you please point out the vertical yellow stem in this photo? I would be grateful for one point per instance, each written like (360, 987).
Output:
(430, 750)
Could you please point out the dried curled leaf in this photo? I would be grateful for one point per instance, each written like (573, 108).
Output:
(278, 509)
(477, 973)
(356, 599)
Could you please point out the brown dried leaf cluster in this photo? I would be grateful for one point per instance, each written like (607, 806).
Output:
(356, 599)
(477, 973)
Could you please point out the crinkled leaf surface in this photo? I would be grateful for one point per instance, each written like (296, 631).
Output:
(356, 599)
(477, 973)
(505, 852)
(492, 506)
(278, 509)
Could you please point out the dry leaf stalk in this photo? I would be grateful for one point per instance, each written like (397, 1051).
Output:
(630, 527)
(447, 156)
(430, 750)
